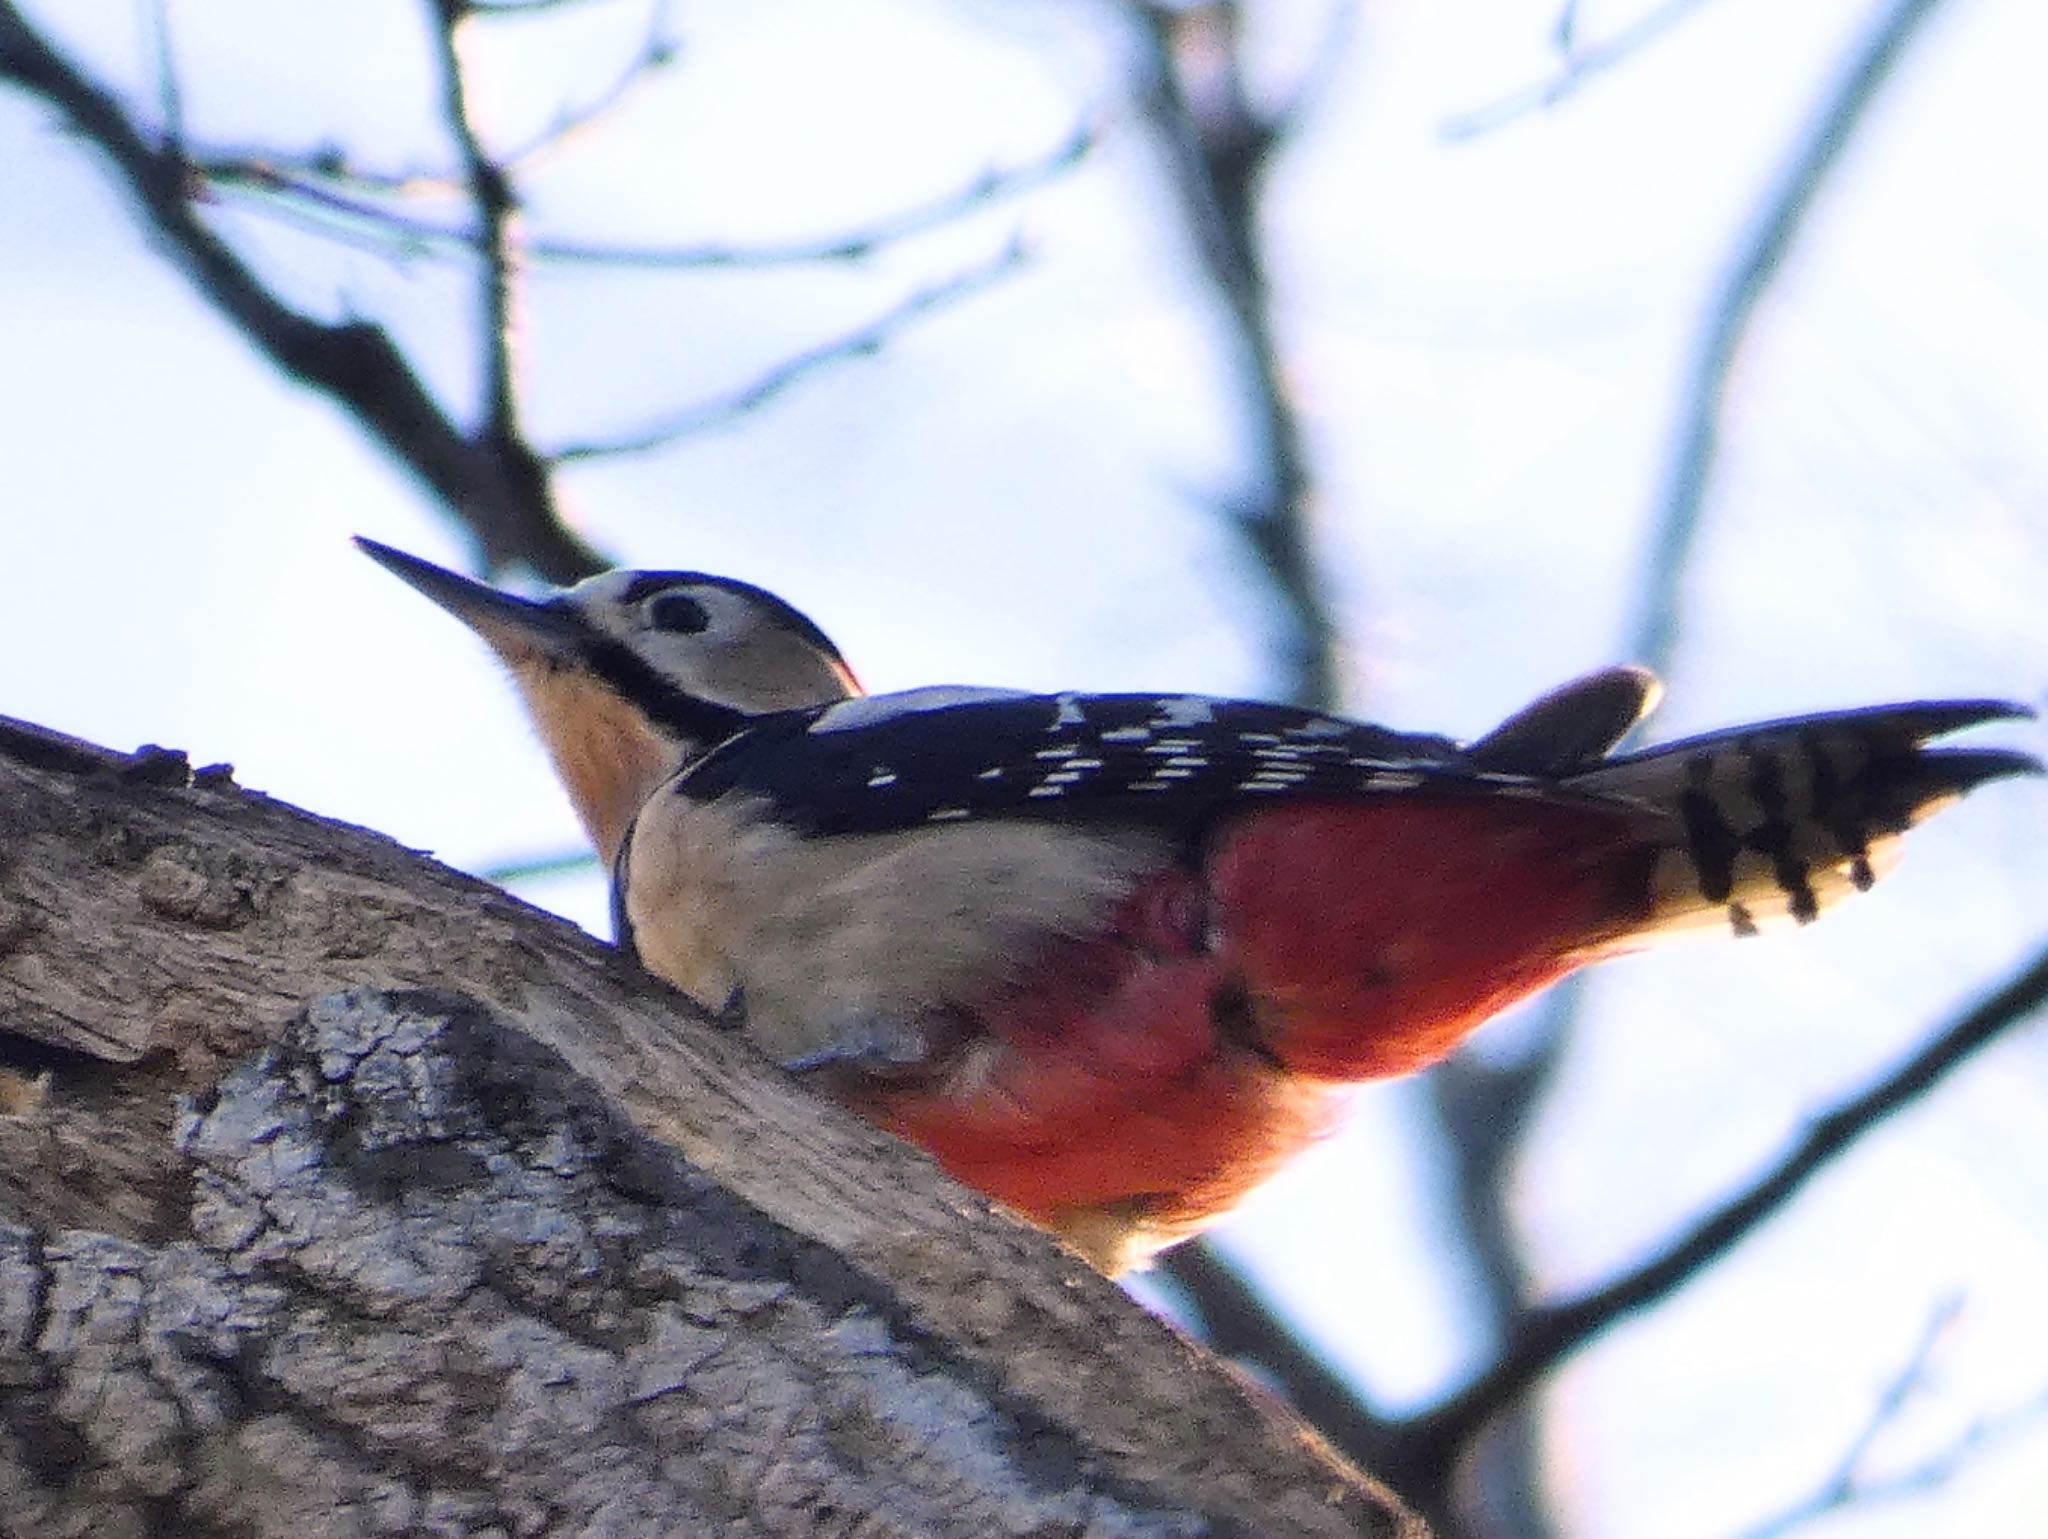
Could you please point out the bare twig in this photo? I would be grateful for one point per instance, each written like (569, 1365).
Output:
(279, 185)
(497, 213)
(304, 203)
(1581, 65)
(353, 362)
(860, 343)
(1191, 93)
(170, 100)
(1928, 1475)
(524, 7)
(1850, 1484)
(500, 279)
(1892, 1400)
(1545, 1336)
(1735, 306)
(995, 185)
(656, 52)
(1565, 31)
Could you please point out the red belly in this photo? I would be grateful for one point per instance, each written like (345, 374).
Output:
(1200, 1041)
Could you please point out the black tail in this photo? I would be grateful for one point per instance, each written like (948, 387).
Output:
(1782, 819)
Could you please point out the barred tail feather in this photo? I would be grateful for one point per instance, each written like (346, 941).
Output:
(1775, 823)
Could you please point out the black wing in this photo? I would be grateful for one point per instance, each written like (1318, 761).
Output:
(893, 762)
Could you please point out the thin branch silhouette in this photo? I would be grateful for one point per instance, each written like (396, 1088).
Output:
(859, 343)
(1580, 68)
(346, 201)
(1548, 1334)
(1851, 1484)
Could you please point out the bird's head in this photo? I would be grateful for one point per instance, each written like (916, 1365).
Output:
(629, 676)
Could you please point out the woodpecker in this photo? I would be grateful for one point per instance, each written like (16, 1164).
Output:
(1113, 959)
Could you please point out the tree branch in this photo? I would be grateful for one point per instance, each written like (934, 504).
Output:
(170, 99)
(496, 205)
(1545, 1336)
(861, 343)
(1216, 149)
(538, 1248)
(354, 363)
(656, 53)
(1581, 66)
(497, 213)
(1851, 1485)
(274, 185)
(1783, 216)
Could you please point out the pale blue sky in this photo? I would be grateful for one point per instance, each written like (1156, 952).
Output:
(1487, 338)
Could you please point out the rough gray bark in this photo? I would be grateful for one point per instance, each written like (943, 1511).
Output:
(406, 1259)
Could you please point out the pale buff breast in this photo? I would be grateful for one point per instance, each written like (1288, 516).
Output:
(607, 757)
(816, 934)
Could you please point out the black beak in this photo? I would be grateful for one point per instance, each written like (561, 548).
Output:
(509, 623)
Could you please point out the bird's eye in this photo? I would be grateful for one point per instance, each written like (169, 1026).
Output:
(677, 612)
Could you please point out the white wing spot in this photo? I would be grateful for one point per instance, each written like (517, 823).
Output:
(991, 774)
(1127, 734)
(1070, 713)
(1046, 790)
(1394, 780)
(1184, 711)
(882, 776)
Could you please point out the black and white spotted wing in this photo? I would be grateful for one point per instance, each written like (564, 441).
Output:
(934, 756)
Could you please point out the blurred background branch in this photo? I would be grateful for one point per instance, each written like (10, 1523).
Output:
(1579, 65)
(1215, 147)
(863, 342)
